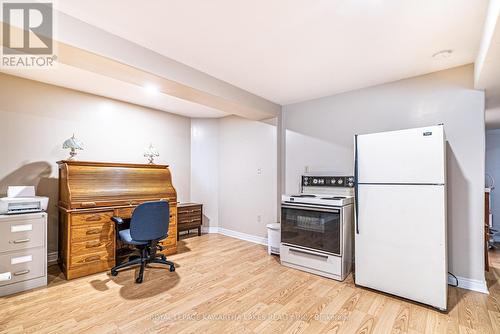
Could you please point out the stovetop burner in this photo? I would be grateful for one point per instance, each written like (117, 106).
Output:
(304, 196)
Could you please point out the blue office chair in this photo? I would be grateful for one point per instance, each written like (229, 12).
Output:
(148, 225)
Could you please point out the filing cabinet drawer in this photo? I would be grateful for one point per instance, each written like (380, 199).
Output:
(93, 232)
(17, 234)
(85, 219)
(23, 265)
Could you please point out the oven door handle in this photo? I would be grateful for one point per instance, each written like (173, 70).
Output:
(309, 208)
(301, 251)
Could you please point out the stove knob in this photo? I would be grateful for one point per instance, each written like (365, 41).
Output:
(315, 181)
(340, 181)
(351, 179)
(351, 184)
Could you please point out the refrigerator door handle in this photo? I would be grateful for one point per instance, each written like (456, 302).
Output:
(356, 179)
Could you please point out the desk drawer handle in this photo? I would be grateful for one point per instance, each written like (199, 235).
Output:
(21, 241)
(92, 244)
(22, 272)
(92, 258)
(94, 231)
(94, 218)
(88, 204)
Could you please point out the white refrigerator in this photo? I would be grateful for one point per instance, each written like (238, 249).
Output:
(400, 237)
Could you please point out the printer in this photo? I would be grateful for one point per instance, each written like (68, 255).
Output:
(22, 199)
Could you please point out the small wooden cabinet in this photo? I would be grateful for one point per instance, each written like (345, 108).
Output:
(189, 217)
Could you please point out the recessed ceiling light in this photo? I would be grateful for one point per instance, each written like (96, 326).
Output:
(443, 54)
(152, 89)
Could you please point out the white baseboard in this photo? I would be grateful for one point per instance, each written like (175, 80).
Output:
(209, 229)
(469, 284)
(52, 258)
(243, 236)
(235, 234)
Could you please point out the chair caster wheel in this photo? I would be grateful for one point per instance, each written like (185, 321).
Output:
(164, 258)
(138, 280)
(172, 268)
(114, 273)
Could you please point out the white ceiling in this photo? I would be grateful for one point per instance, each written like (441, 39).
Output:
(86, 81)
(293, 50)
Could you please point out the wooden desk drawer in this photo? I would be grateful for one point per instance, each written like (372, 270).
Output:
(90, 258)
(93, 232)
(189, 221)
(20, 234)
(23, 265)
(84, 219)
(193, 210)
(92, 246)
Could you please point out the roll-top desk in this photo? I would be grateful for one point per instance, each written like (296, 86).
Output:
(90, 193)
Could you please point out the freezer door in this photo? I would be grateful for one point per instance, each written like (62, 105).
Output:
(407, 156)
(400, 246)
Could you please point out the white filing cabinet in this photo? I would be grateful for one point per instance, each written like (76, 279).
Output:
(23, 252)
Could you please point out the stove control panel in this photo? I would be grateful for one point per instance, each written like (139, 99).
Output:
(328, 181)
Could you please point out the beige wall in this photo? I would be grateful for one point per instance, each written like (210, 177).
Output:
(320, 136)
(36, 118)
(234, 174)
(247, 175)
(205, 168)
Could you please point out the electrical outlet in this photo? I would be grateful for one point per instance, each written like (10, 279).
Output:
(259, 218)
(306, 169)
(259, 171)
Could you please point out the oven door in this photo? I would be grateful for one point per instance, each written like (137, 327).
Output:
(311, 227)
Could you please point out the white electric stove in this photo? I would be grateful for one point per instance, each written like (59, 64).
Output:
(316, 226)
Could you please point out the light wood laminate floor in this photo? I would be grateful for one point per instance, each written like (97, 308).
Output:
(223, 284)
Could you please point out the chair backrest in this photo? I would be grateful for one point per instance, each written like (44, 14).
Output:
(150, 221)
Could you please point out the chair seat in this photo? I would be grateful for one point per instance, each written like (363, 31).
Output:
(125, 237)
